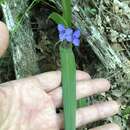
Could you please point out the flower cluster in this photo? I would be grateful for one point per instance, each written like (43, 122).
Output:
(69, 35)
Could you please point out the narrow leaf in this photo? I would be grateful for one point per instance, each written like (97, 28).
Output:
(67, 11)
(57, 18)
(69, 87)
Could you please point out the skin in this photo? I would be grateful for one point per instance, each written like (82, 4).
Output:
(4, 38)
(30, 103)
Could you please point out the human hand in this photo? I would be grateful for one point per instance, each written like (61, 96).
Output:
(30, 104)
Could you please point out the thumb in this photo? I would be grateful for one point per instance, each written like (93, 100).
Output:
(4, 38)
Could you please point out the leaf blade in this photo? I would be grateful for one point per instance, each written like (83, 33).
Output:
(67, 11)
(69, 87)
(57, 18)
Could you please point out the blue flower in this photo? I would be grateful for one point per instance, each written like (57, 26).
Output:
(76, 42)
(61, 28)
(76, 34)
(69, 38)
(69, 31)
(62, 36)
(68, 34)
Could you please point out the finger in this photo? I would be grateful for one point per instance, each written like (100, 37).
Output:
(111, 126)
(52, 80)
(84, 88)
(93, 113)
(4, 38)
(47, 81)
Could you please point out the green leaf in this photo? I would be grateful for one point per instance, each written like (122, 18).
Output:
(67, 11)
(2, 1)
(82, 103)
(69, 87)
(58, 18)
(126, 111)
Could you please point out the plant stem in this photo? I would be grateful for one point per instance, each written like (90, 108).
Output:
(69, 87)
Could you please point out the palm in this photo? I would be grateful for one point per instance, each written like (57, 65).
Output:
(31, 103)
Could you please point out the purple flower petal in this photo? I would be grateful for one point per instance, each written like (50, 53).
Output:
(68, 34)
(76, 42)
(68, 31)
(68, 38)
(61, 28)
(76, 34)
(62, 36)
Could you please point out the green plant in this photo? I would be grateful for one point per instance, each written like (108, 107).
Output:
(68, 66)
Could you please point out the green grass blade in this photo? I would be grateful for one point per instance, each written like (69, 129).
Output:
(57, 18)
(67, 11)
(69, 87)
